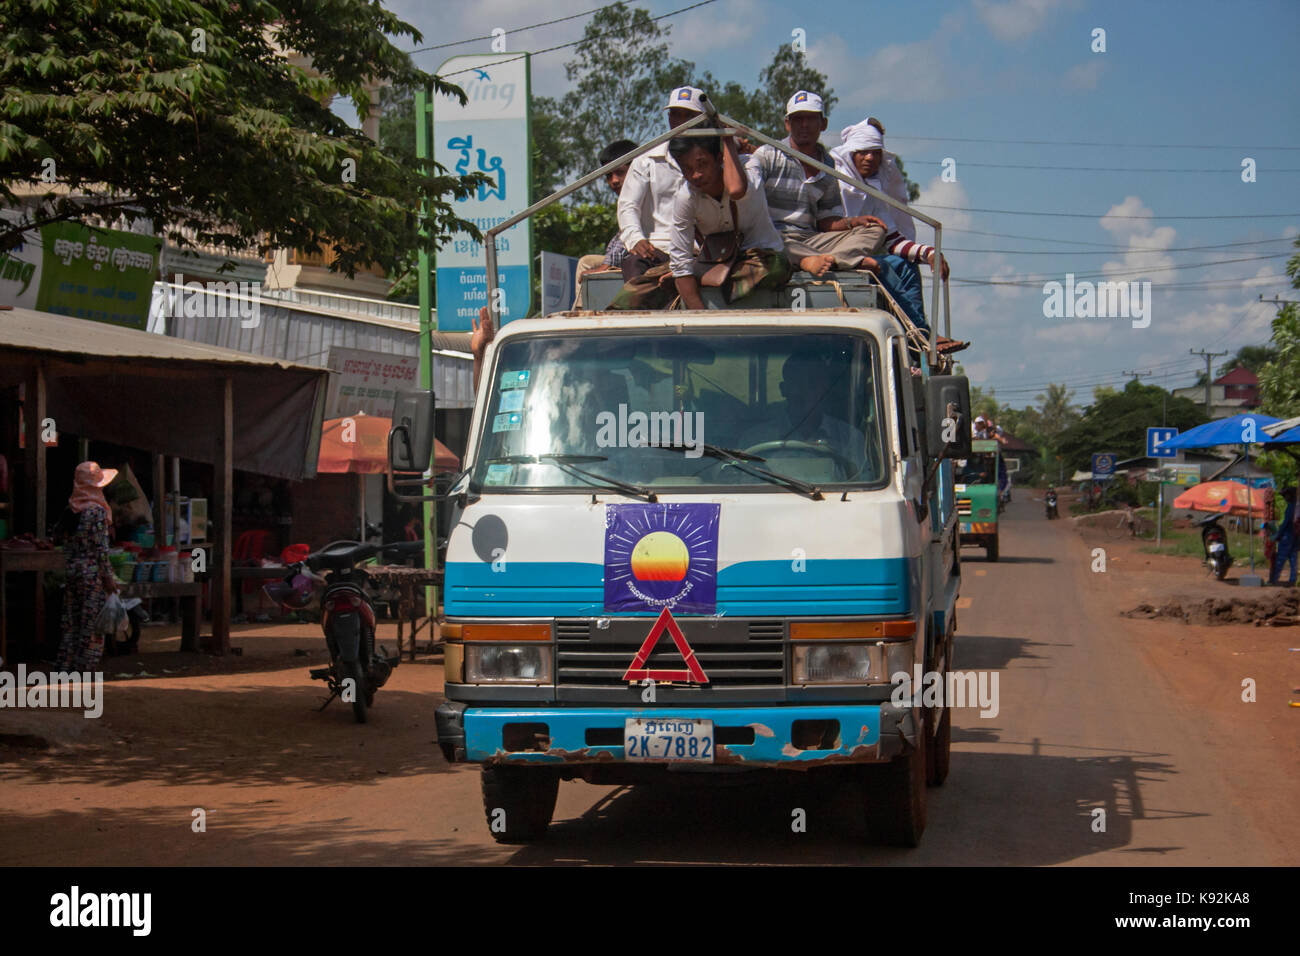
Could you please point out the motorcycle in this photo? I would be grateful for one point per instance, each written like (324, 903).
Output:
(1215, 542)
(357, 670)
(1051, 504)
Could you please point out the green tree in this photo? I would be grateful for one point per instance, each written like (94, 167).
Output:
(620, 77)
(1117, 422)
(1279, 378)
(1253, 357)
(187, 115)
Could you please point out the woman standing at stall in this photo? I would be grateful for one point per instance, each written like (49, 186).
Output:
(90, 575)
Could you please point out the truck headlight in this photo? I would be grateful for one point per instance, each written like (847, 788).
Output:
(847, 662)
(507, 663)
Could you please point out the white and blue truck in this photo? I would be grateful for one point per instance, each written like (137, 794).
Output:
(705, 542)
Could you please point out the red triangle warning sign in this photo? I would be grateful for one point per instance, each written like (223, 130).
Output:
(637, 670)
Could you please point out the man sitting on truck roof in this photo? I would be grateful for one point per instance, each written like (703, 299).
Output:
(861, 157)
(645, 206)
(612, 260)
(722, 194)
(808, 208)
(805, 202)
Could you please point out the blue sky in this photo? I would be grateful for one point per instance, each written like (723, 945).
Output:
(1180, 74)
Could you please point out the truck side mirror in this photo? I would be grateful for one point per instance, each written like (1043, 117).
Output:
(947, 416)
(410, 440)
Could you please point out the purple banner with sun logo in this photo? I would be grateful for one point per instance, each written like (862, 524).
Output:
(661, 556)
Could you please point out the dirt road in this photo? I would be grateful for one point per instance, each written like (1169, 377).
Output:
(1142, 719)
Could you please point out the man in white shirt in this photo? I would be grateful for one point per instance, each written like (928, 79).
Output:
(722, 193)
(645, 205)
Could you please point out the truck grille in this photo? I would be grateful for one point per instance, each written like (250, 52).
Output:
(737, 656)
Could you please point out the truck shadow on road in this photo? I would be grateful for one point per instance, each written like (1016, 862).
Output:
(993, 652)
(971, 818)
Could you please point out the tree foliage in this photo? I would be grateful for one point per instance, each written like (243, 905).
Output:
(621, 77)
(1117, 422)
(185, 113)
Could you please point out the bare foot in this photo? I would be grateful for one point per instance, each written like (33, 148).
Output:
(869, 264)
(817, 265)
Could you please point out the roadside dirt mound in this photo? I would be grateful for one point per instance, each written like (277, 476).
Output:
(1281, 609)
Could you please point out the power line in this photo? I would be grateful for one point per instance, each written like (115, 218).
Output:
(1058, 142)
(1093, 215)
(1110, 250)
(533, 26)
(565, 46)
(1049, 277)
(1235, 170)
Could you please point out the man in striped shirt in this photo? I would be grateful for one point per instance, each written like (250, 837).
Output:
(807, 207)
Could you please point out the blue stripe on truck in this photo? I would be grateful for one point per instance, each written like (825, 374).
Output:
(748, 588)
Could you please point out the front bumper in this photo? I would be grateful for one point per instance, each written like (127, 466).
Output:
(744, 736)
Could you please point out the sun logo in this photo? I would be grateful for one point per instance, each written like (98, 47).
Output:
(660, 556)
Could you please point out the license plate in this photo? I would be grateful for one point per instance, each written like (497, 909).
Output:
(667, 740)
(1216, 546)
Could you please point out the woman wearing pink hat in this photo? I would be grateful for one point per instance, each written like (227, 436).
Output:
(90, 575)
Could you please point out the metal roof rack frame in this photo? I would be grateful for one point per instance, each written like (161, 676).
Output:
(730, 126)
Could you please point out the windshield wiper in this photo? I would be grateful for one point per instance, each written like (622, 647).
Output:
(568, 465)
(740, 460)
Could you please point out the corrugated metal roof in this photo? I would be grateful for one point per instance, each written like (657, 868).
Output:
(31, 330)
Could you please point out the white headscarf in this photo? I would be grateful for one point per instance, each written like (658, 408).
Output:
(858, 138)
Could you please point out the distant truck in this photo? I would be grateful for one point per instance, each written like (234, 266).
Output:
(979, 482)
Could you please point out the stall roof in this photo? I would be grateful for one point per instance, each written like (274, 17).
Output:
(50, 332)
(163, 394)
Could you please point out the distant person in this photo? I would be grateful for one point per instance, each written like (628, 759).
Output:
(612, 260)
(89, 574)
(1287, 540)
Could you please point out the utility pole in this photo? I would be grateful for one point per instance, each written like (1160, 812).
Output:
(1137, 375)
(1209, 357)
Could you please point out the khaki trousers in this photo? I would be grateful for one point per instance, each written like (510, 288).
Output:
(848, 247)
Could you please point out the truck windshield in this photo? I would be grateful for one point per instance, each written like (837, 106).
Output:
(663, 409)
(976, 470)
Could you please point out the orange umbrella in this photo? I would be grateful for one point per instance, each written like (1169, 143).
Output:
(1224, 497)
(358, 444)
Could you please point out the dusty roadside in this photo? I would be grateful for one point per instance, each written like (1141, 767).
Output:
(1207, 664)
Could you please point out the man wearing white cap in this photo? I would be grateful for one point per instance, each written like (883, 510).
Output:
(805, 202)
(645, 205)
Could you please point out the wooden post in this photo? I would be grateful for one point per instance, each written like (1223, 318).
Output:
(224, 506)
(35, 406)
(34, 415)
(159, 497)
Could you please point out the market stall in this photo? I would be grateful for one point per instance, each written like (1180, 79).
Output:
(206, 404)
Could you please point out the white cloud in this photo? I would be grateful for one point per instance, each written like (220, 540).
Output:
(938, 193)
(919, 72)
(700, 34)
(1015, 19)
(1147, 242)
(1085, 75)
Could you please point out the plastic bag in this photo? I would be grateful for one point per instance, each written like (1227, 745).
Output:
(113, 620)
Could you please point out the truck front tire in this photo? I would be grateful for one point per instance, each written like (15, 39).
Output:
(894, 794)
(519, 801)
